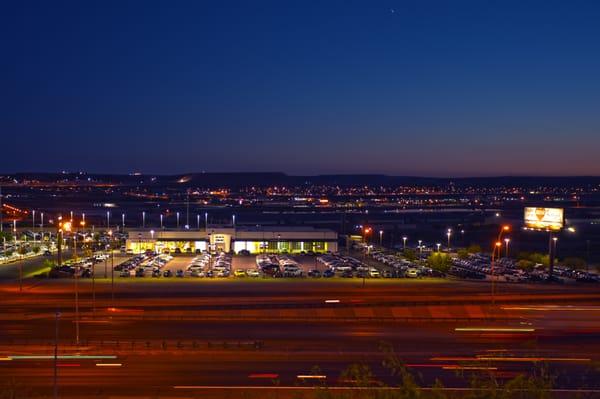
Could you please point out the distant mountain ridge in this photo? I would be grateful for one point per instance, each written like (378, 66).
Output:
(246, 179)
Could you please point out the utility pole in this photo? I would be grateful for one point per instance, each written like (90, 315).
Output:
(187, 210)
(1, 220)
(56, 318)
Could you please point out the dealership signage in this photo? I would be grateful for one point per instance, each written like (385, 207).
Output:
(550, 219)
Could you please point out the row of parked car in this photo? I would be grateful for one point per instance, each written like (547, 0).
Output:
(80, 267)
(403, 268)
(205, 266)
(478, 266)
(145, 265)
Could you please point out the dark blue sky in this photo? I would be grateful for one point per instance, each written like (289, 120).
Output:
(442, 88)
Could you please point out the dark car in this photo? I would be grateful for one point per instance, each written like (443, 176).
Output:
(47, 253)
(244, 252)
(167, 273)
(313, 273)
(86, 273)
(347, 274)
(179, 273)
(139, 273)
(177, 250)
(156, 273)
(387, 274)
(328, 273)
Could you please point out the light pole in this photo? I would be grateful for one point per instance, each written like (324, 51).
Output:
(56, 318)
(112, 271)
(123, 221)
(420, 249)
(381, 238)
(507, 241)
(233, 220)
(497, 246)
(449, 233)
(161, 220)
(108, 219)
(143, 219)
(153, 243)
(177, 219)
(438, 247)
(404, 242)
(198, 221)
(206, 221)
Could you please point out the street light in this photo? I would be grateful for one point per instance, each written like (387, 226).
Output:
(404, 242)
(438, 247)
(198, 221)
(143, 219)
(497, 246)
(381, 238)
(507, 241)
(420, 249)
(107, 219)
(112, 270)
(123, 221)
(449, 233)
(177, 219)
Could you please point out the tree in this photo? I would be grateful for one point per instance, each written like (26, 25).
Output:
(5, 235)
(462, 253)
(439, 261)
(36, 249)
(22, 250)
(410, 254)
(525, 265)
(474, 248)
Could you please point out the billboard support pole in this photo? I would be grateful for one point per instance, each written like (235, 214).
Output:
(551, 256)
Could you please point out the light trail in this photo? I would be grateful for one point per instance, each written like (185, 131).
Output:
(494, 329)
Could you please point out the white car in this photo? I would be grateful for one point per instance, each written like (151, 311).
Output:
(374, 273)
(412, 273)
(252, 273)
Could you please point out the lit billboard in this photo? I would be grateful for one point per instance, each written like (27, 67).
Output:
(544, 218)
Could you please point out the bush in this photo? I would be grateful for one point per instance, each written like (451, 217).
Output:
(474, 248)
(440, 262)
(462, 253)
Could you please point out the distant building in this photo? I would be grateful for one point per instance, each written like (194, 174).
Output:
(260, 239)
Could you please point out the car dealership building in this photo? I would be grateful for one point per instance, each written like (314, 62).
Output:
(258, 239)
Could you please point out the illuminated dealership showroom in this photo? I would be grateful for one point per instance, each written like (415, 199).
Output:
(259, 239)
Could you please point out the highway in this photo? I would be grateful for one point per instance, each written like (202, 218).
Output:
(179, 338)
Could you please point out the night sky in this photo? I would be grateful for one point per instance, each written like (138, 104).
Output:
(432, 88)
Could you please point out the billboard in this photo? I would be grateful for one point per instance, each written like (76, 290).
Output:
(544, 218)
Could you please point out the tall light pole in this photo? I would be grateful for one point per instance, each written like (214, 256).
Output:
(498, 247)
(507, 241)
(198, 221)
(420, 249)
(233, 220)
(1, 218)
(161, 220)
(123, 221)
(206, 220)
(112, 270)
(381, 238)
(56, 318)
(108, 219)
(438, 247)
(177, 219)
(404, 242)
(143, 219)
(449, 233)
